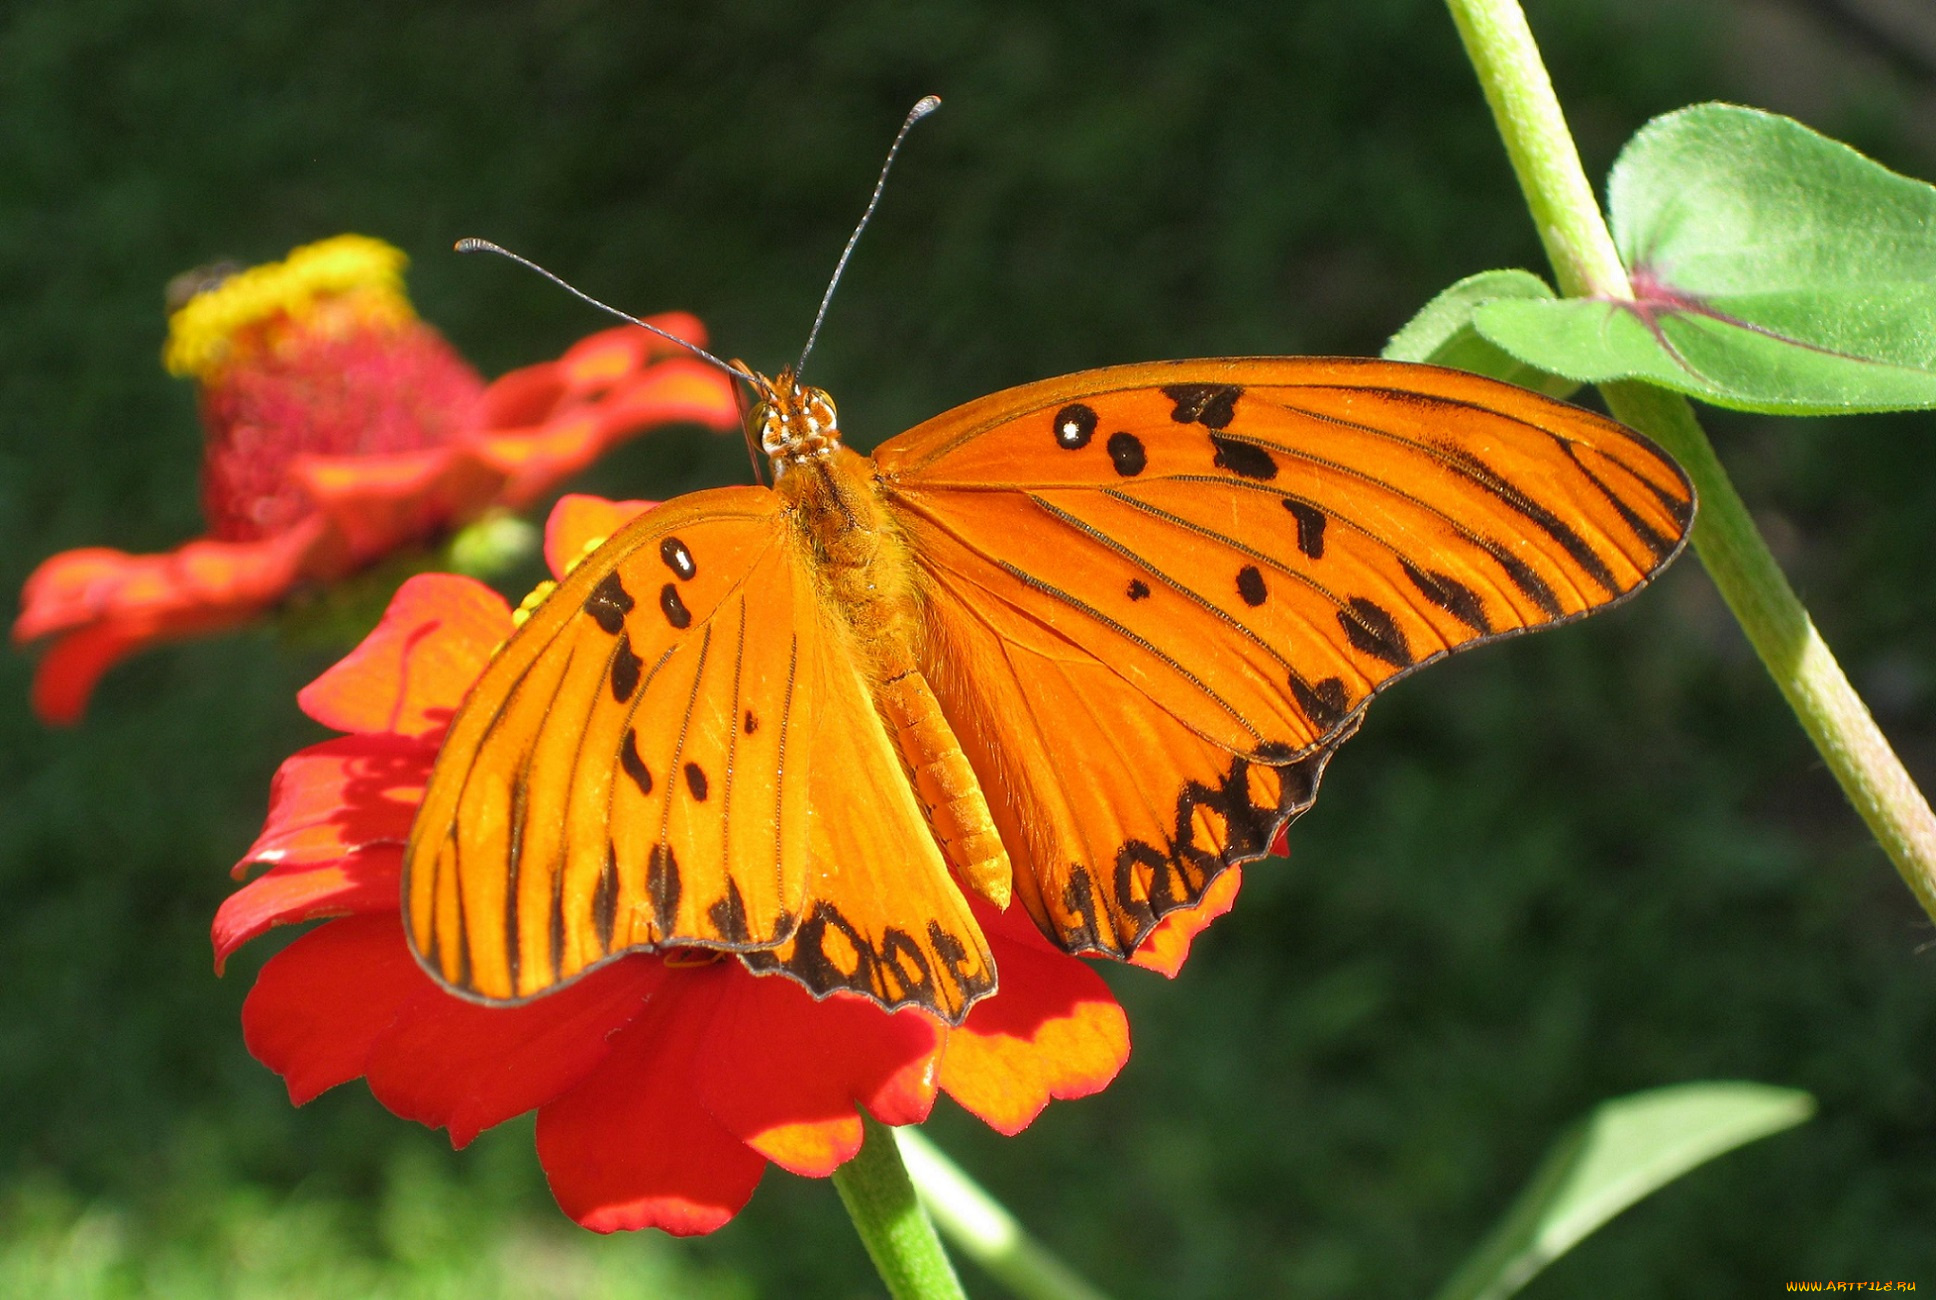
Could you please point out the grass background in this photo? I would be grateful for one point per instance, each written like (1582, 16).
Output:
(1546, 874)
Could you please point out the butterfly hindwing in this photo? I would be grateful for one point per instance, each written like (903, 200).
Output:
(1214, 565)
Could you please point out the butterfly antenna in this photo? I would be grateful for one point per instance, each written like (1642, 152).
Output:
(486, 246)
(927, 105)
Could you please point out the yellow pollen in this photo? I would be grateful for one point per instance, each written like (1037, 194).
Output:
(529, 605)
(199, 335)
(585, 552)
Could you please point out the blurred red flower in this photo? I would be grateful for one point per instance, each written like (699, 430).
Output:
(341, 427)
(664, 1083)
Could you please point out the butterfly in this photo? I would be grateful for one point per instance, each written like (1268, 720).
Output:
(1080, 646)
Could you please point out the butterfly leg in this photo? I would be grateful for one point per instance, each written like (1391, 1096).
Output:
(946, 784)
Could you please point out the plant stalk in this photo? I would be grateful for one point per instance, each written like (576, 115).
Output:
(980, 1228)
(899, 1237)
(1586, 263)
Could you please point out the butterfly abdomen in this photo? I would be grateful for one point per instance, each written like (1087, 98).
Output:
(945, 782)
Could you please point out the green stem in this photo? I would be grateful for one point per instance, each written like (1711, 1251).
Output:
(1586, 262)
(895, 1229)
(984, 1231)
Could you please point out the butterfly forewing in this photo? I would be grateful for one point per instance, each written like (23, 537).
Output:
(630, 771)
(679, 751)
(1156, 590)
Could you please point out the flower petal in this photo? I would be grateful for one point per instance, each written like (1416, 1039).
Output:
(1166, 947)
(340, 796)
(320, 1005)
(409, 675)
(346, 886)
(632, 1147)
(597, 361)
(448, 1063)
(70, 668)
(577, 521)
(106, 604)
(376, 503)
(1052, 1031)
(676, 391)
(584, 425)
(785, 1073)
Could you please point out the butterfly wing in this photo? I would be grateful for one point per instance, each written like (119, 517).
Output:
(1160, 595)
(676, 750)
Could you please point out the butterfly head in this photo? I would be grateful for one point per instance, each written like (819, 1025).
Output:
(796, 424)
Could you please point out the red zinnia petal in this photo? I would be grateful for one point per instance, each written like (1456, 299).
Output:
(320, 1005)
(577, 521)
(74, 664)
(375, 503)
(109, 604)
(452, 1064)
(632, 1147)
(784, 1073)
(341, 796)
(1054, 1031)
(349, 885)
(410, 674)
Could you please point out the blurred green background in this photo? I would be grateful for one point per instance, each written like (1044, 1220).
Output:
(1545, 874)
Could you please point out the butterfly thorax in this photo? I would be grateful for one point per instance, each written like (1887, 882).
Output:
(859, 555)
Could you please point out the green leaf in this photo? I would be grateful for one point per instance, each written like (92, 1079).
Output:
(1626, 1149)
(1773, 269)
(1442, 334)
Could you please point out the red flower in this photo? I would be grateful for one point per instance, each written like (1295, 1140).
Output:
(340, 428)
(664, 1084)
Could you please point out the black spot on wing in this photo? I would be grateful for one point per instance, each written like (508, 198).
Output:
(609, 603)
(1079, 898)
(751, 722)
(1250, 585)
(1216, 825)
(605, 900)
(728, 915)
(673, 608)
(1324, 702)
(628, 759)
(1310, 527)
(1138, 589)
(811, 964)
(1530, 584)
(952, 952)
(625, 669)
(1244, 459)
(1371, 628)
(677, 558)
(901, 961)
(696, 781)
(662, 888)
(1075, 424)
(1213, 406)
(1450, 595)
(1127, 454)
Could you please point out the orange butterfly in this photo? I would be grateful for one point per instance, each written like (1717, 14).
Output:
(1089, 641)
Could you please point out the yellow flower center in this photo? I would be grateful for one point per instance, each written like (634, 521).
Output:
(365, 274)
